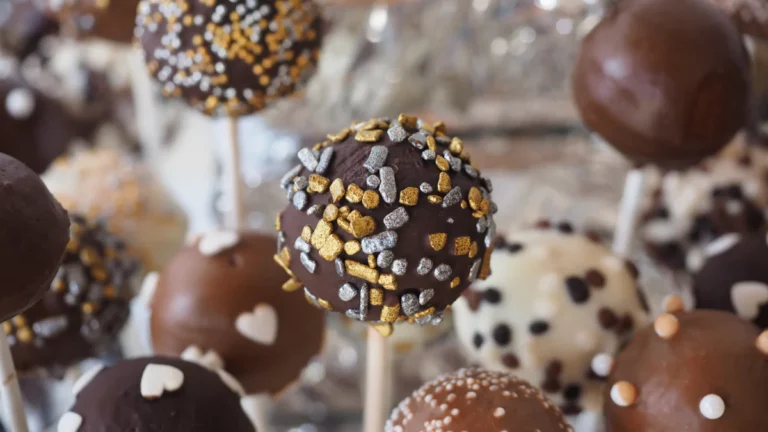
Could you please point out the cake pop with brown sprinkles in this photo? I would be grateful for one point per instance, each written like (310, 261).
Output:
(82, 313)
(664, 82)
(223, 295)
(108, 19)
(152, 394)
(750, 16)
(229, 57)
(701, 370)
(477, 400)
(389, 221)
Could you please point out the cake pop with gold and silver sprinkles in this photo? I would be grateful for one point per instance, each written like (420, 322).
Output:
(389, 221)
(229, 57)
(556, 298)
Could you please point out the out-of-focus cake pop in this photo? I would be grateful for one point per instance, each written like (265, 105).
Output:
(477, 400)
(223, 295)
(664, 82)
(156, 394)
(85, 308)
(556, 299)
(229, 58)
(104, 183)
(702, 370)
(23, 25)
(108, 19)
(750, 16)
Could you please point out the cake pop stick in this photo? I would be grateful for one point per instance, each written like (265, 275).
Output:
(237, 211)
(629, 209)
(378, 381)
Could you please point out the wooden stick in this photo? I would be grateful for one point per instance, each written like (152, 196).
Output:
(377, 377)
(13, 404)
(631, 199)
(237, 212)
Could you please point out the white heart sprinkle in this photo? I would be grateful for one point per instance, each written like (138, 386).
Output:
(747, 297)
(216, 242)
(158, 378)
(209, 359)
(721, 244)
(69, 422)
(20, 103)
(712, 406)
(602, 364)
(148, 288)
(85, 379)
(260, 325)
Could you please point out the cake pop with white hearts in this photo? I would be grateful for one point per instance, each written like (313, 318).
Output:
(555, 299)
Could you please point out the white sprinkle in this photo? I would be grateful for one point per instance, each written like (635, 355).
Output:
(602, 364)
(69, 422)
(712, 406)
(159, 378)
(499, 412)
(722, 244)
(20, 103)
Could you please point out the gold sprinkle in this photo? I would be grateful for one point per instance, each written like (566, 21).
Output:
(373, 124)
(376, 296)
(110, 291)
(388, 281)
(321, 233)
(89, 256)
(344, 211)
(442, 164)
(368, 136)
(331, 248)
(284, 265)
(455, 282)
(99, 273)
(352, 247)
(485, 207)
(477, 214)
(475, 198)
(385, 330)
(341, 136)
(324, 304)
(473, 250)
(370, 199)
(344, 224)
(7, 328)
(437, 241)
(372, 261)
(317, 184)
(409, 196)
(337, 190)
(19, 321)
(361, 271)
(285, 255)
(292, 285)
(354, 193)
(73, 245)
(88, 308)
(424, 313)
(463, 204)
(364, 226)
(461, 245)
(330, 213)
(278, 222)
(456, 146)
(58, 285)
(402, 319)
(428, 127)
(353, 215)
(408, 121)
(440, 127)
(444, 183)
(306, 233)
(389, 314)
(485, 270)
(431, 143)
(24, 335)
(435, 199)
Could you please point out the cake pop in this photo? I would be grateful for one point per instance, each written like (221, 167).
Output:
(664, 82)
(230, 57)
(223, 294)
(477, 399)
(109, 19)
(555, 300)
(750, 16)
(156, 394)
(23, 25)
(84, 309)
(389, 221)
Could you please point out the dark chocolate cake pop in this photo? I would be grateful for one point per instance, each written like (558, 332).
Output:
(704, 371)
(23, 25)
(154, 394)
(477, 400)
(751, 16)
(108, 19)
(85, 308)
(388, 222)
(223, 294)
(229, 57)
(664, 82)
(33, 238)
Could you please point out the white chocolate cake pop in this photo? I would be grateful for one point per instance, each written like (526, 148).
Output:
(555, 299)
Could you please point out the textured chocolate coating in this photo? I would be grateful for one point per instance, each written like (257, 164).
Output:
(85, 308)
(750, 16)
(199, 298)
(232, 57)
(664, 82)
(108, 19)
(34, 236)
(23, 24)
(113, 401)
(712, 353)
(391, 231)
(477, 400)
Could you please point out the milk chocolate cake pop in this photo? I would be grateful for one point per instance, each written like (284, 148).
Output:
(23, 25)
(664, 82)
(85, 308)
(703, 371)
(229, 57)
(388, 222)
(750, 16)
(108, 19)
(153, 394)
(477, 400)
(556, 299)
(223, 295)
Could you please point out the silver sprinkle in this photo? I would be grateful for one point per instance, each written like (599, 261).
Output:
(384, 259)
(340, 270)
(353, 314)
(455, 163)
(311, 297)
(452, 198)
(50, 327)
(437, 318)
(424, 320)
(399, 266)
(428, 155)
(397, 133)
(450, 220)
(443, 140)
(425, 296)
(308, 159)
(494, 208)
(482, 224)
(290, 193)
(300, 200)
(418, 140)
(376, 158)
(300, 183)
(308, 263)
(426, 188)
(488, 184)
(316, 153)
(443, 272)
(425, 265)
(373, 181)
(301, 245)
(470, 170)
(280, 241)
(474, 270)
(409, 303)
(378, 242)
(388, 188)
(491, 232)
(363, 301)
(285, 180)
(325, 160)
(315, 209)
(396, 219)
(347, 292)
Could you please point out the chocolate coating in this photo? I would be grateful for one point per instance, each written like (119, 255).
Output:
(229, 58)
(34, 236)
(750, 16)
(477, 400)
(108, 19)
(85, 308)
(199, 299)
(712, 353)
(407, 254)
(664, 82)
(113, 401)
(23, 24)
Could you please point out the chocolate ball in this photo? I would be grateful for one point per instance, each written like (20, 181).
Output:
(34, 236)
(750, 16)
(388, 221)
(703, 370)
(23, 25)
(229, 58)
(476, 399)
(223, 294)
(109, 19)
(153, 394)
(664, 82)
(82, 313)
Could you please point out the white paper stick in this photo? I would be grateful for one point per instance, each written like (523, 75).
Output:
(13, 404)
(235, 176)
(377, 382)
(631, 199)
